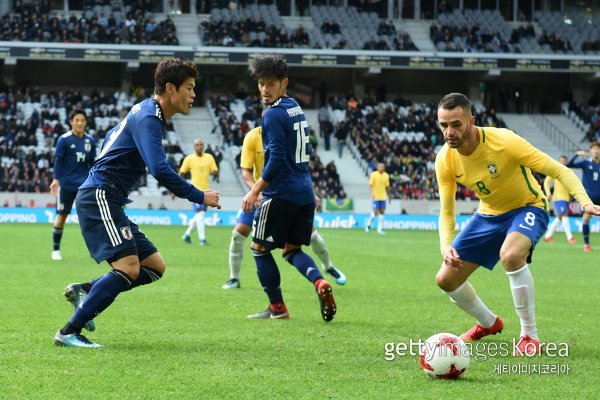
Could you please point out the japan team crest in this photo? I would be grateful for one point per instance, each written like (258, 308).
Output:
(87, 146)
(126, 233)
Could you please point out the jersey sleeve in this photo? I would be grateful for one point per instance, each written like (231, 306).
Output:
(547, 184)
(537, 160)
(148, 139)
(58, 158)
(569, 180)
(274, 124)
(248, 152)
(447, 190)
(371, 179)
(387, 180)
(574, 163)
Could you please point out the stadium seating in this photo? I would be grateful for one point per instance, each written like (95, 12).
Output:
(97, 23)
(31, 122)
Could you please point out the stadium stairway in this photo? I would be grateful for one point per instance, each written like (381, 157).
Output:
(418, 31)
(524, 126)
(352, 177)
(198, 125)
(187, 28)
(567, 127)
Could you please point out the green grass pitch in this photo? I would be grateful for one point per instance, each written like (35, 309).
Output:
(186, 338)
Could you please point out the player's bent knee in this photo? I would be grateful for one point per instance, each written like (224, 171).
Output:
(512, 258)
(445, 281)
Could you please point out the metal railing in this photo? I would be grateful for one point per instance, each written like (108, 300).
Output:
(558, 137)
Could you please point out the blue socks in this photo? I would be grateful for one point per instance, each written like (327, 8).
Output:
(585, 229)
(103, 293)
(304, 264)
(56, 237)
(268, 275)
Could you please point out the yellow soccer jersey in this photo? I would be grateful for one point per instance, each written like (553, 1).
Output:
(379, 182)
(200, 167)
(253, 156)
(499, 172)
(560, 191)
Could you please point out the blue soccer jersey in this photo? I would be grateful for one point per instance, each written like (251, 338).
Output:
(72, 159)
(287, 151)
(131, 146)
(591, 175)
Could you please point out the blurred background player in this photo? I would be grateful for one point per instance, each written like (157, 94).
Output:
(511, 218)
(285, 217)
(560, 197)
(590, 167)
(130, 150)
(251, 164)
(379, 186)
(74, 155)
(200, 166)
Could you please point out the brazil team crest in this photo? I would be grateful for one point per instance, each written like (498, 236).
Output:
(126, 233)
(492, 168)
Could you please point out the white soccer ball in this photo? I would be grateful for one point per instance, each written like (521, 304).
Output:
(444, 356)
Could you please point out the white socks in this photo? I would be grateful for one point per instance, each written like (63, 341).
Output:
(371, 218)
(521, 285)
(320, 248)
(567, 227)
(466, 298)
(236, 253)
(191, 225)
(380, 223)
(200, 224)
(551, 228)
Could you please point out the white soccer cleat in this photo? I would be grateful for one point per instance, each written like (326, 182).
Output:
(56, 255)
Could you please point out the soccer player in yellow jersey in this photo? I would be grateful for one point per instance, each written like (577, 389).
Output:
(379, 185)
(511, 218)
(252, 163)
(560, 197)
(200, 166)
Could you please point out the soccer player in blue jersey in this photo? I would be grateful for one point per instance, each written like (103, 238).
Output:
(590, 165)
(73, 157)
(130, 149)
(285, 216)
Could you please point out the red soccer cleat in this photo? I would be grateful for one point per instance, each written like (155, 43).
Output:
(477, 332)
(548, 239)
(572, 241)
(328, 307)
(587, 248)
(527, 347)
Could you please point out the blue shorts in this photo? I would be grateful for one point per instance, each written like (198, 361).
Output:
(64, 200)
(379, 204)
(244, 218)
(198, 207)
(561, 207)
(106, 229)
(480, 241)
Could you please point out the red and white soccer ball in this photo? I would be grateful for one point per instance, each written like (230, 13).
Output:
(444, 356)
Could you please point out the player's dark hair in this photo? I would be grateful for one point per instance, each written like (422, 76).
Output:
(268, 65)
(75, 112)
(173, 70)
(453, 100)
(594, 144)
